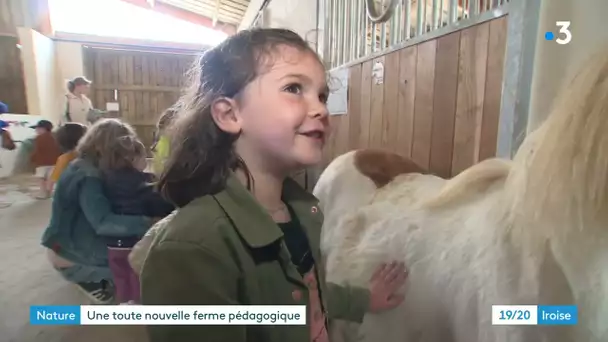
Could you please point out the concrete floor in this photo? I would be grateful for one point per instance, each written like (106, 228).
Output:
(26, 278)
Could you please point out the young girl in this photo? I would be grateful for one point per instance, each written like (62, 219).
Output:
(81, 214)
(131, 192)
(245, 234)
(67, 137)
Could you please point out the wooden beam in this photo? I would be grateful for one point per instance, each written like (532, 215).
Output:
(93, 41)
(184, 15)
(132, 87)
(33, 14)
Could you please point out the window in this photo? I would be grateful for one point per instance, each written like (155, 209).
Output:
(115, 18)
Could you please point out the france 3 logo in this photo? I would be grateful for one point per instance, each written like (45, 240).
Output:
(564, 35)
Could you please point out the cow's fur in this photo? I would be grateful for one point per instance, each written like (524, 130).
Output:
(529, 231)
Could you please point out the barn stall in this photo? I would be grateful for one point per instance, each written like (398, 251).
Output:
(427, 85)
(142, 81)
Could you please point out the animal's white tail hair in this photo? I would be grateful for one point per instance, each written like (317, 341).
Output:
(562, 172)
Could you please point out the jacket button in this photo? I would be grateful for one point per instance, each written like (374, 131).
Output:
(296, 295)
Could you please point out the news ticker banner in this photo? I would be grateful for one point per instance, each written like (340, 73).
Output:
(168, 315)
(255, 315)
(534, 315)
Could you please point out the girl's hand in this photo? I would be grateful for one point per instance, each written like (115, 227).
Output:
(387, 279)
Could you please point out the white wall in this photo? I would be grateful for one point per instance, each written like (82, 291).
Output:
(297, 15)
(39, 67)
(69, 64)
(554, 63)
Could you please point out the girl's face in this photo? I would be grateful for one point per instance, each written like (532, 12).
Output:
(282, 114)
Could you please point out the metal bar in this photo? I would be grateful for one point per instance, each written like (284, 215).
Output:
(383, 36)
(441, 16)
(484, 17)
(392, 32)
(327, 33)
(338, 36)
(334, 33)
(398, 22)
(453, 11)
(408, 19)
(516, 116)
(435, 14)
(353, 34)
(374, 32)
(473, 7)
(419, 17)
(368, 29)
(361, 31)
(344, 37)
(346, 33)
(343, 30)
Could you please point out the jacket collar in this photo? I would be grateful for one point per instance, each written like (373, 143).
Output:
(252, 221)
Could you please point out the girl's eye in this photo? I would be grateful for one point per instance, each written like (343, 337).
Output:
(294, 88)
(323, 98)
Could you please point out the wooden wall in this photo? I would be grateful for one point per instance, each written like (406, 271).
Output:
(12, 82)
(24, 13)
(439, 103)
(143, 82)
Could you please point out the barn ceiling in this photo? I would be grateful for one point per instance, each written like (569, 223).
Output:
(225, 11)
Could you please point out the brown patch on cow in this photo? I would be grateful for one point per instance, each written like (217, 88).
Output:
(383, 166)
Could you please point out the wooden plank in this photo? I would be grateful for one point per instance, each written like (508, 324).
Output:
(366, 101)
(152, 69)
(160, 69)
(330, 144)
(493, 88)
(130, 69)
(145, 103)
(98, 74)
(377, 105)
(340, 136)
(114, 68)
(444, 104)
(145, 70)
(407, 95)
(122, 70)
(423, 104)
(469, 108)
(354, 106)
(140, 114)
(390, 117)
(129, 87)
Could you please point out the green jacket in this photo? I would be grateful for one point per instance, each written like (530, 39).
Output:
(218, 250)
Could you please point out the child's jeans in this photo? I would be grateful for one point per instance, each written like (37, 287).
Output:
(126, 281)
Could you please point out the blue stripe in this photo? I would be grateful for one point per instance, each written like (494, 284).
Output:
(557, 315)
(55, 315)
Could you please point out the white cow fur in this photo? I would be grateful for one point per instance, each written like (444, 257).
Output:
(530, 231)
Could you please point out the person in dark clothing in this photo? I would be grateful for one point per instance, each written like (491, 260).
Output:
(130, 191)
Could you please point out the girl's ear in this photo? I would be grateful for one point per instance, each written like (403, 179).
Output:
(224, 113)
